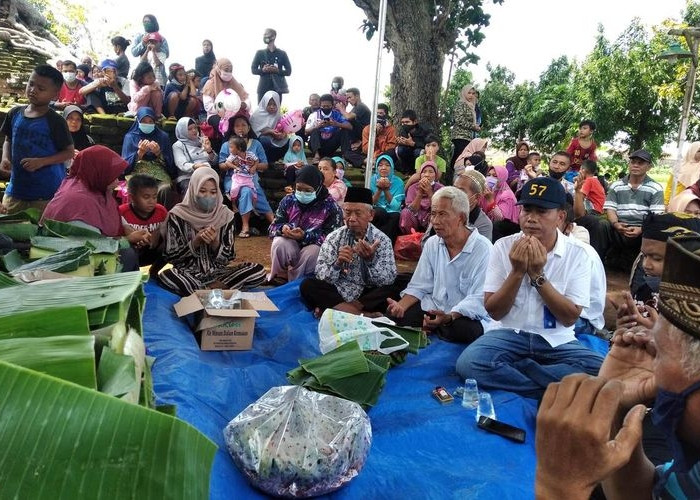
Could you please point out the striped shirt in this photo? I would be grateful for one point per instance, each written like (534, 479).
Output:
(676, 485)
(633, 204)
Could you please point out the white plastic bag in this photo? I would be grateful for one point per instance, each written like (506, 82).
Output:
(337, 328)
(296, 443)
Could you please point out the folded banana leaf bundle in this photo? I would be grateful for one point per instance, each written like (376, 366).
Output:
(346, 372)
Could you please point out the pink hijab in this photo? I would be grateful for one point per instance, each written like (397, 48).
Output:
(504, 197)
(476, 144)
(412, 190)
(84, 195)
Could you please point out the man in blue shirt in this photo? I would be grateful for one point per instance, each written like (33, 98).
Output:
(327, 130)
(589, 429)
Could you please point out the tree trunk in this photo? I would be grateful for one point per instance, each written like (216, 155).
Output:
(419, 48)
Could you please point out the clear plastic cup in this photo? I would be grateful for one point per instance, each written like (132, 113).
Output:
(485, 406)
(470, 396)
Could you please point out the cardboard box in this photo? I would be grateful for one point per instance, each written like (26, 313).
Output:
(225, 329)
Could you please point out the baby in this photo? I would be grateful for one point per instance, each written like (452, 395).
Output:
(242, 162)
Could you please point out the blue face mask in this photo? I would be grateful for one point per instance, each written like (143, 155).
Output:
(206, 203)
(304, 198)
(147, 128)
(667, 415)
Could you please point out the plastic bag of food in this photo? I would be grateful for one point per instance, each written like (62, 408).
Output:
(296, 443)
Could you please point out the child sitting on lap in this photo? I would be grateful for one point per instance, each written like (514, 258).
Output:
(242, 162)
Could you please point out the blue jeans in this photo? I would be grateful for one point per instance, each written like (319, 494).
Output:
(245, 197)
(523, 362)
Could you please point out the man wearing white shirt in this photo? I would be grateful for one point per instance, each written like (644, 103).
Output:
(446, 293)
(537, 284)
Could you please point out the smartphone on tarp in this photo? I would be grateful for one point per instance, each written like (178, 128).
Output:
(507, 431)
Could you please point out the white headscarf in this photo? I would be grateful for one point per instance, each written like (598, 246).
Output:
(261, 119)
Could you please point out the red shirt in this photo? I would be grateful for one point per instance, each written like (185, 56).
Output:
(593, 190)
(579, 153)
(71, 96)
(150, 224)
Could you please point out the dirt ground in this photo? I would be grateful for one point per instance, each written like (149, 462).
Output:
(257, 249)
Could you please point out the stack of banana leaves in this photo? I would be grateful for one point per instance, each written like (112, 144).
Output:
(350, 373)
(77, 412)
(57, 246)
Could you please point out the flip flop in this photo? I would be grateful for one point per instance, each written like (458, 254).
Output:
(244, 234)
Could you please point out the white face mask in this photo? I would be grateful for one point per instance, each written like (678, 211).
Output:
(69, 76)
(226, 76)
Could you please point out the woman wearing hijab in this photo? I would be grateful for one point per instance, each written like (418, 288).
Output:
(263, 120)
(150, 25)
(499, 202)
(190, 152)
(204, 63)
(74, 119)
(516, 163)
(220, 78)
(416, 214)
(475, 146)
(147, 149)
(199, 242)
(687, 201)
(387, 197)
(465, 124)
(240, 126)
(302, 222)
(688, 174)
(85, 197)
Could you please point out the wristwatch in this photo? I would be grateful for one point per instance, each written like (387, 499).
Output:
(539, 281)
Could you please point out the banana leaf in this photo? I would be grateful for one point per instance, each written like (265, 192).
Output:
(71, 320)
(116, 373)
(343, 361)
(70, 358)
(29, 215)
(12, 260)
(135, 347)
(65, 261)
(54, 244)
(94, 293)
(65, 230)
(63, 441)
(19, 231)
(7, 281)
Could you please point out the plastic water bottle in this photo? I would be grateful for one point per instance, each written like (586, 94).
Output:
(216, 299)
(470, 396)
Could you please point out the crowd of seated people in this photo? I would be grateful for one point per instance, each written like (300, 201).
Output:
(513, 257)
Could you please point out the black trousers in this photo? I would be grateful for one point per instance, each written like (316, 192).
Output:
(328, 147)
(407, 156)
(604, 237)
(387, 223)
(318, 293)
(461, 331)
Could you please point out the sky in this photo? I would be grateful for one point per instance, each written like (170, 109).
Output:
(323, 37)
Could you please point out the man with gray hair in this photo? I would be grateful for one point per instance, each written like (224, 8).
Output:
(471, 183)
(589, 429)
(446, 293)
(356, 266)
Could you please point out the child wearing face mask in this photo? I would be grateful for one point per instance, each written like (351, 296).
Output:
(242, 164)
(70, 90)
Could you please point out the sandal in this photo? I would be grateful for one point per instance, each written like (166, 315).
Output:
(244, 234)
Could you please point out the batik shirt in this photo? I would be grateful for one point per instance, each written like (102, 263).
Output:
(351, 280)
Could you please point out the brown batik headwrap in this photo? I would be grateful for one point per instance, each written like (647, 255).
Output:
(679, 292)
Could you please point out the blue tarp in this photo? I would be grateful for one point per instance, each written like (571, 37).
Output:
(420, 448)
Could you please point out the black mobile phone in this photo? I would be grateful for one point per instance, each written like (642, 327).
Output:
(502, 429)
